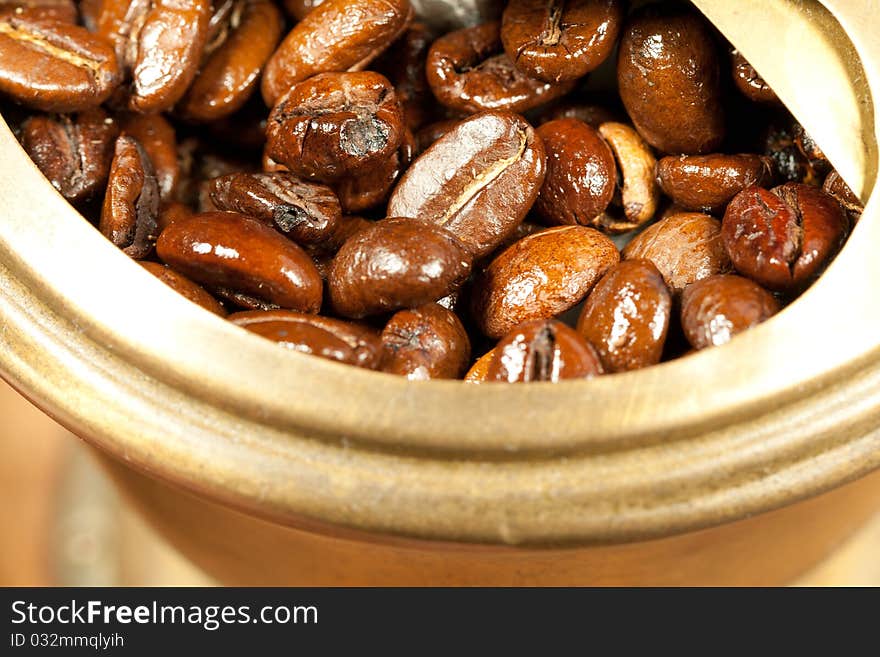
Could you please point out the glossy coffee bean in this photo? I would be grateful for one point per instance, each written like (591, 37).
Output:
(54, 66)
(432, 132)
(232, 65)
(57, 10)
(555, 41)
(157, 136)
(468, 71)
(306, 212)
(581, 174)
(626, 317)
(243, 259)
(783, 238)
(685, 247)
(339, 35)
(706, 183)
(335, 124)
(478, 181)
(543, 351)
(185, 287)
(324, 252)
(131, 206)
(425, 343)
(365, 190)
(345, 342)
(73, 152)
(159, 46)
(540, 277)
(172, 211)
(669, 80)
(395, 263)
(835, 186)
(479, 371)
(749, 83)
(717, 308)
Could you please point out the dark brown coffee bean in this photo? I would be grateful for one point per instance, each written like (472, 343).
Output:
(717, 308)
(306, 212)
(335, 124)
(581, 174)
(783, 238)
(299, 9)
(669, 79)
(54, 66)
(159, 46)
(339, 35)
(232, 65)
(478, 181)
(592, 115)
(74, 153)
(468, 71)
(836, 186)
(790, 163)
(243, 259)
(56, 10)
(324, 252)
(428, 342)
(750, 84)
(362, 191)
(540, 277)
(395, 263)
(626, 317)
(404, 64)
(345, 342)
(554, 40)
(131, 206)
(543, 351)
(185, 287)
(706, 183)
(156, 135)
(685, 247)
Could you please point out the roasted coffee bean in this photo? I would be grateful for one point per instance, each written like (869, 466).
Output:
(719, 307)
(478, 181)
(299, 9)
(339, 35)
(479, 371)
(231, 68)
(158, 44)
(362, 191)
(790, 163)
(157, 136)
(626, 317)
(243, 259)
(404, 64)
(429, 134)
(335, 124)
(131, 206)
(592, 115)
(73, 152)
(835, 186)
(750, 84)
(554, 40)
(306, 212)
(54, 66)
(581, 174)
(685, 247)
(543, 350)
(185, 287)
(669, 79)
(324, 252)
(56, 10)
(468, 71)
(345, 342)
(395, 263)
(783, 238)
(425, 343)
(816, 160)
(706, 183)
(540, 277)
(172, 211)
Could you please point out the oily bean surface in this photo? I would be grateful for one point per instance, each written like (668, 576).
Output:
(425, 343)
(339, 35)
(157, 136)
(395, 263)
(468, 71)
(627, 315)
(669, 80)
(243, 259)
(54, 66)
(719, 307)
(543, 351)
(366, 190)
(345, 342)
(185, 287)
(478, 181)
(750, 84)
(706, 183)
(685, 247)
(540, 277)
(553, 40)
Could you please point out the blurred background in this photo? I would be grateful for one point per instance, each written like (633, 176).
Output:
(62, 523)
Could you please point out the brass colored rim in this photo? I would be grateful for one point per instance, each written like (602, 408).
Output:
(786, 411)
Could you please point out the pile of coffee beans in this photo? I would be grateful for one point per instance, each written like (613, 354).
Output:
(563, 190)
